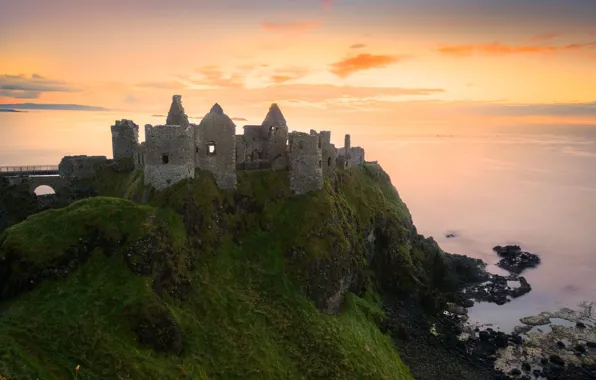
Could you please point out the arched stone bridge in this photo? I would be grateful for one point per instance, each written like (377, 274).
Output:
(57, 183)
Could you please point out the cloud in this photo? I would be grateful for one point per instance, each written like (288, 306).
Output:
(239, 119)
(61, 107)
(361, 62)
(215, 77)
(544, 37)
(292, 28)
(130, 99)
(19, 94)
(357, 46)
(327, 4)
(163, 85)
(545, 109)
(287, 75)
(23, 87)
(497, 48)
(309, 94)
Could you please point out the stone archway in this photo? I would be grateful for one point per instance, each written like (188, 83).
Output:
(44, 190)
(57, 183)
(280, 163)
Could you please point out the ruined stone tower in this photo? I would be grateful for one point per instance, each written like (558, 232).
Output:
(215, 147)
(125, 137)
(329, 154)
(168, 155)
(176, 115)
(306, 172)
(276, 132)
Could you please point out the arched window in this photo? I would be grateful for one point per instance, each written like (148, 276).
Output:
(329, 162)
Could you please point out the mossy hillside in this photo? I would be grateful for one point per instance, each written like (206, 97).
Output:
(53, 242)
(244, 315)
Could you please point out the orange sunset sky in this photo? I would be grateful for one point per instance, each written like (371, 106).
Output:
(378, 63)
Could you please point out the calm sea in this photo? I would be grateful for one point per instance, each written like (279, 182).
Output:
(533, 187)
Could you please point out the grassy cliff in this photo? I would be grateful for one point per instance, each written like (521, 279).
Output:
(201, 283)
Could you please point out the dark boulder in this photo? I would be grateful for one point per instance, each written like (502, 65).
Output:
(515, 260)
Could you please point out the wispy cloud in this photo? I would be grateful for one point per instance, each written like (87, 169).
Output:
(361, 62)
(287, 75)
(163, 85)
(23, 87)
(292, 27)
(544, 37)
(545, 109)
(497, 48)
(235, 118)
(357, 46)
(216, 77)
(61, 107)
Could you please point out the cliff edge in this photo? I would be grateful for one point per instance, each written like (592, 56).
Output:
(203, 283)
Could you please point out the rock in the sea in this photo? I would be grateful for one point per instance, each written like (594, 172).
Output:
(537, 320)
(514, 259)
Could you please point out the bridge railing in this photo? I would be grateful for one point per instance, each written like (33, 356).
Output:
(28, 168)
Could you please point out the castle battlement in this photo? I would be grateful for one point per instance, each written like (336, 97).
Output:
(173, 151)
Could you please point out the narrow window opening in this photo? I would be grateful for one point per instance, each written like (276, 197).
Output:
(329, 161)
(165, 159)
(139, 158)
(320, 164)
(211, 148)
(197, 149)
(271, 131)
(319, 142)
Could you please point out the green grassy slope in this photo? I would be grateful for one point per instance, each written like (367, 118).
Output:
(204, 284)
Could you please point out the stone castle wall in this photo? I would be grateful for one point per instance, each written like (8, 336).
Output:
(173, 151)
(329, 154)
(125, 137)
(305, 153)
(169, 155)
(215, 147)
(80, 167)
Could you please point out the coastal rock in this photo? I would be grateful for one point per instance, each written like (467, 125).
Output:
(538, 320)
(497, 289)
(514, 259)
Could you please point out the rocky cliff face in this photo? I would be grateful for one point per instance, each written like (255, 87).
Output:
(255, 282)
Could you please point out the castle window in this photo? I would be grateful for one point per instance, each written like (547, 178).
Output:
(165, 159)
(319, 142)
(320, 164)
(329, 161)
(271, 131)
(197, 149)
(139, 158)
(211, 148)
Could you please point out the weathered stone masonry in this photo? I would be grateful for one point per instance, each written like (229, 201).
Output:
(125, 138)
(173, 151)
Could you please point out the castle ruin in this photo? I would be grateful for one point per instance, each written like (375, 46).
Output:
(172, 152)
